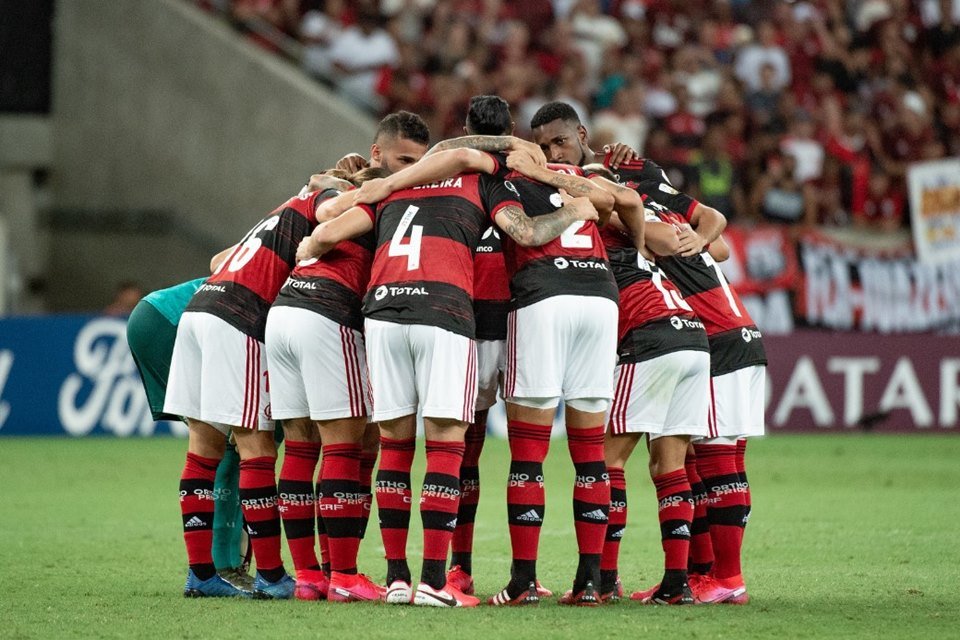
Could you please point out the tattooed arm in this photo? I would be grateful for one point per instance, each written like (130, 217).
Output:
(576, 186)
(445, 164)
(533, 232)
(628, 206)
(491, 144)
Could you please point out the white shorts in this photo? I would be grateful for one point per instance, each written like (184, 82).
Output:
(738, 399)
(491, 359)
(218, 374)
(563, 347)
(318, 368)
(415, 365)
(664, 396)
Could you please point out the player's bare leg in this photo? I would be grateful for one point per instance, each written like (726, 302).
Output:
(258, 496)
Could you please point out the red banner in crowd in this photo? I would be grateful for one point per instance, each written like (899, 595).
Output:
(819, 381)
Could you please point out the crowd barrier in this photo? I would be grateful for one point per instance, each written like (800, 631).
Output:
(74, 375)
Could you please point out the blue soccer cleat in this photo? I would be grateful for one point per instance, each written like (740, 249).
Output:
(215, 587)
(282, 589)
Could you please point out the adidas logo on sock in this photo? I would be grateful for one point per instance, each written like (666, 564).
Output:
(452, 524)
(530, 516)
(682, 530)
(194, 522)
(618, 533)
(596, 514)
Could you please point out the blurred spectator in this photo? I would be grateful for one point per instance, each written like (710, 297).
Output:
(883, 206)
(778, 196)
(356, 56)
(765, 50)
(127, 296)
(801, 144)
(624, 121)
(714, 179)
(763, 101)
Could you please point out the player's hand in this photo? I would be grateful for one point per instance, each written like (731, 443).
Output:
(308, 249)
(535, 152)
(620, 153)
(583, 208)
(521, 161)
(691, 244)
(351, 163)
(372, 191)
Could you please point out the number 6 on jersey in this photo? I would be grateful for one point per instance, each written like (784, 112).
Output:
(410, 249)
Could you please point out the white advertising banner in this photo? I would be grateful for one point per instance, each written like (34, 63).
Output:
(934, 189)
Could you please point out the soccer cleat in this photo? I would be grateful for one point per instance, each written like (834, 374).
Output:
(398, 592)
(528, 597)
(709, 590)
(448, 596)
(214, 587)
(658, 595)
(735, 582)
(345, 587)
(460, 579)
(238, 577)
(311, 585)
(613, 595)
(282, 589)
(584, 598)
(542, 591)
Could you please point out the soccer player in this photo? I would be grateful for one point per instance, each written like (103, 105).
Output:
(420, 328)
(151, 332)
(737, 369)
(318, 373)
(322, 295)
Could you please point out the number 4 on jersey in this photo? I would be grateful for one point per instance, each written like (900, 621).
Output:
(410, 249)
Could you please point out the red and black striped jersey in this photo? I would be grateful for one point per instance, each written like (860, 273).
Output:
(573, 264)
(735, 341)
(244, 286)
(491, 287)
(423, 268)
(654, 318)
(636, 170)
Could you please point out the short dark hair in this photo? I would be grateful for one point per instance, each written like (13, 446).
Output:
(403, 124)
(489, 116)
(554, 111)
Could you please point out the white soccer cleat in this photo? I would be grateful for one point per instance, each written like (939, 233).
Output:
(399, 592)
(449, 596)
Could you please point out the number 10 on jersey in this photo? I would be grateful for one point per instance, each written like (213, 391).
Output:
(411, 249)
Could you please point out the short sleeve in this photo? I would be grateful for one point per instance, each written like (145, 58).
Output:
(500, 161)
(496, 194)
(370, 210)
(669, 197)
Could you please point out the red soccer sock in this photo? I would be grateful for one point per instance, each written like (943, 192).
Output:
(617, 523)
(462, 543)
(675, 512)
(591, 488)
(742, 472)
(393, 503)
(439, 503)
(297, 502)
(367, 462)
(196, 507)
(701, 548)
(717, 465)
(529, 444)
(340, 504)
(258, 497)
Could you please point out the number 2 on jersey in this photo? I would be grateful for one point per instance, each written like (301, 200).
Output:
(571, 239)
(410, 249)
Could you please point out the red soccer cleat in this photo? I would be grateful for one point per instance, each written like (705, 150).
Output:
(710, 590)
(460, 579)
(614, 595)
(448, 596)
(345, 587)
(542, 591)
(587, 597)
(528, 597)
(311, 585)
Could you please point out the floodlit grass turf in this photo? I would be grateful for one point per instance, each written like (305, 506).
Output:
(852, 536)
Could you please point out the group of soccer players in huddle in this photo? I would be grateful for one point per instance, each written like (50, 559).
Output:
(426, 281)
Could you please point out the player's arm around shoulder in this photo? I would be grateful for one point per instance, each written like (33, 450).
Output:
(433, 168)
(352, 223)
(628, 206)
(533, 232)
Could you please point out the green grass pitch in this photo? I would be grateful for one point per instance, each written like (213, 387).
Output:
(851, 537)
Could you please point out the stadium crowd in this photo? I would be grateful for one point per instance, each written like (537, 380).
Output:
(797, 113)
